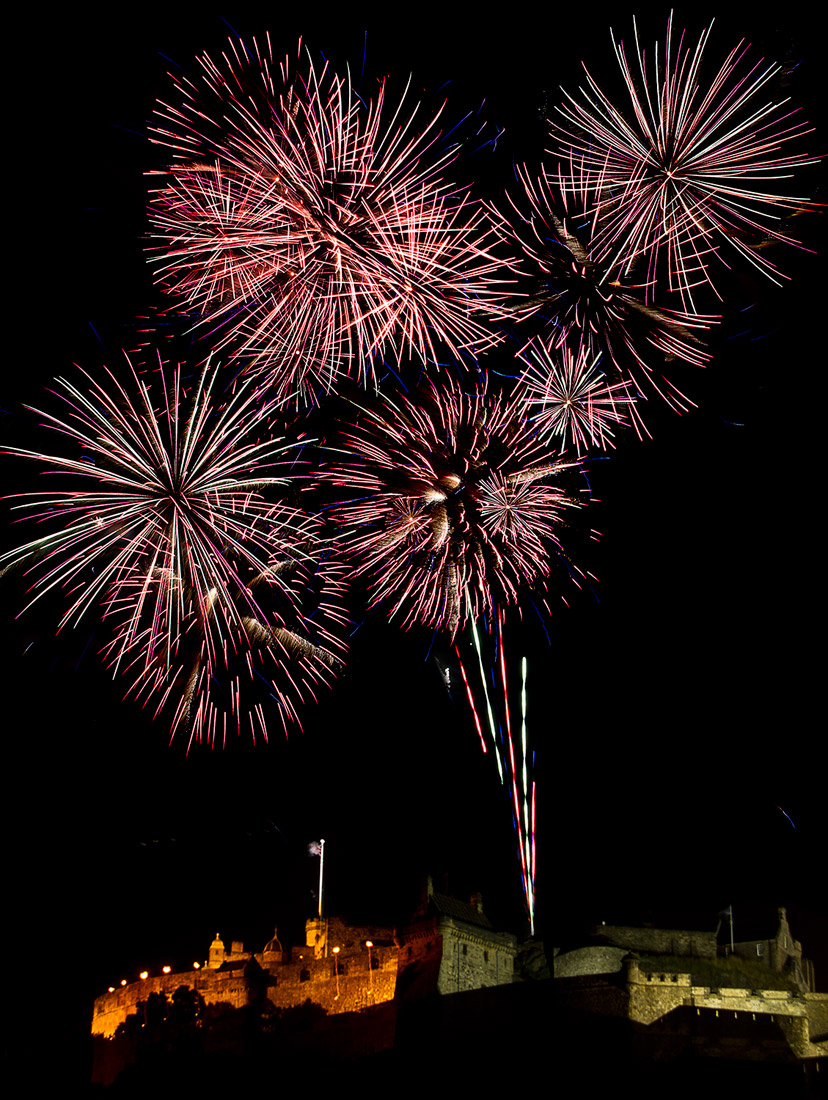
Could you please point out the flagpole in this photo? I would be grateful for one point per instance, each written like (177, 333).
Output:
(321, 869)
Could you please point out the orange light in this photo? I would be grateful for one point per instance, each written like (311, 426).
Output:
(166, 969)
(336, 951)
(123, 981)
(144, 975)
(196, 966)
(111, 989)
(369, 943)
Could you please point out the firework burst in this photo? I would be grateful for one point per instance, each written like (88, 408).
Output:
(310, 234)
(582, 298)
(456, 503)
(691, 166)
(569, 398)
(166, 528)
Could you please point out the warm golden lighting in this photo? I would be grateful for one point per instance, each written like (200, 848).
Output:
(166, 969)
(144, 975)
(336, 971)
(369, 943)
(123, 981)
(196, 966)
(111, 989)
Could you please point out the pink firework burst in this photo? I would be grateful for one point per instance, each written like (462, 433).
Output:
(308, 230)
(691, 165)
(569, 399)
(456, 505)
(583, 298)
(165, 525)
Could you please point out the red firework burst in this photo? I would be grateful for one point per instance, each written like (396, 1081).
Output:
(308, 231)
(165, 526)
(682, 171)
(569, 399)
(584, 298)
(457, 503)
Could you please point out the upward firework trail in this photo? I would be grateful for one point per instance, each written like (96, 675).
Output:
(691, 165)
(515, 762)
(311, 230)
(166, 526)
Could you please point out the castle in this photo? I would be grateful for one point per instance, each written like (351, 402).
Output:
(341, 970)
(359, 990)
(625, 972)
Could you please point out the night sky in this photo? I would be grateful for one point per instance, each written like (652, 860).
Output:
(675, 707)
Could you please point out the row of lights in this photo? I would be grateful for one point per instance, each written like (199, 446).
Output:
(197, 966)
(145, 974)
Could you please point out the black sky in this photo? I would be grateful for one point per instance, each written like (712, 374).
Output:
(676, 708)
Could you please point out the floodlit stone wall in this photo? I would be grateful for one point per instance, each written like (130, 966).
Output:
(659, 941)
(305, 977)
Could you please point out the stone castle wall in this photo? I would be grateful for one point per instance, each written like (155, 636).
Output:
(658, 941)
(287, 985)
(454, 956)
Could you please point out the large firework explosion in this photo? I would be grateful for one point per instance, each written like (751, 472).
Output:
(456, 504)
(690, 166)
(580, 297)
(165, 525)
(310, 231)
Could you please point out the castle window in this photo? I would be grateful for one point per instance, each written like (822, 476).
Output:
(465, 949)
(485, 956)
(304, 974)
(760, 949)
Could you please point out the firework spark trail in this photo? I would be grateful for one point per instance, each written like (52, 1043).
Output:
(678, 175)
(513, 771)
(528, 817)
(470, 699)
(454, 503)
(310, 234)
(164, 527)
(489, 709)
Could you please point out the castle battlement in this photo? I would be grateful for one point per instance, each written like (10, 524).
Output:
(335, 970)
(341, 968)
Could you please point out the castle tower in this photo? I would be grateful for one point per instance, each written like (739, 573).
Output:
(316, 936)
(216, 954)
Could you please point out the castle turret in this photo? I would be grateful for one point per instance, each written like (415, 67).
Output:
(316, 936)
(631, 969)
(216, 954)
